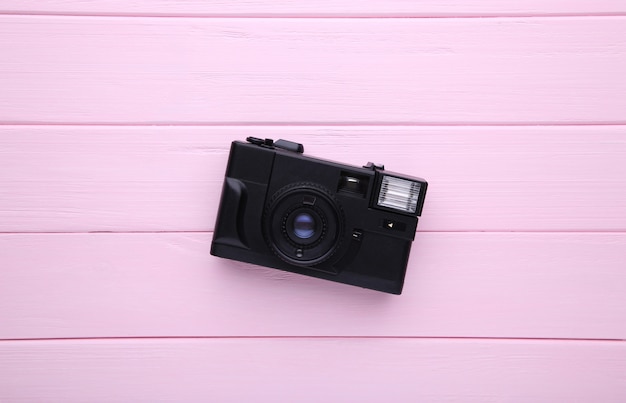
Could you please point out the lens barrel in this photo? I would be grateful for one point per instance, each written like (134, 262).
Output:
(303, 224)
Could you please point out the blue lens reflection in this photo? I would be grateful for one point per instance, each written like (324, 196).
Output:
(304, 226)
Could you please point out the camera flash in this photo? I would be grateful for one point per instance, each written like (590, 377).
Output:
(399, 194)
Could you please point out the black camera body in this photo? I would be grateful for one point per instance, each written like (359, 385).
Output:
(280, 209)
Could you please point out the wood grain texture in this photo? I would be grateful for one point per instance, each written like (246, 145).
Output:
(517, 120)
(530, 285)
(79, 179)
(313, 370)
(418, 71)
(273, 8)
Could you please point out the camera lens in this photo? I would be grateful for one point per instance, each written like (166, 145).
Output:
(304, 226)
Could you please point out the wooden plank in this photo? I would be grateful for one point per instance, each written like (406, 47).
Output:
(68, 179)
(266, 8)
(312, 370)
(531, 285)
(416, 71)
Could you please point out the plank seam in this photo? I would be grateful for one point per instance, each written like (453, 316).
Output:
(311, 15)
(598, 232)
(17, 124)
(260, 337)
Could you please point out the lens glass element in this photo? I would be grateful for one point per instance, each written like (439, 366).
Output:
(304, 226)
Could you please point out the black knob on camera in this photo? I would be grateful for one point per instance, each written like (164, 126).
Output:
(283, 144)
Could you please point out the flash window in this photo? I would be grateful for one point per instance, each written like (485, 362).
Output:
(399, 194)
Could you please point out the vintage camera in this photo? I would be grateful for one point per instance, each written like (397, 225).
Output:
(280, 209)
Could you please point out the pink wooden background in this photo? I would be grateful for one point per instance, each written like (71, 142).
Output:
(115, 122)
